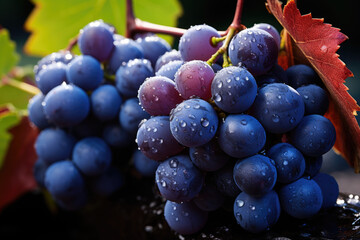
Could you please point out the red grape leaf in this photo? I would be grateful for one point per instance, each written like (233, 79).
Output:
(318, 42)
(16, 176)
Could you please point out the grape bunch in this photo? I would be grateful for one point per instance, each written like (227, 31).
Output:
(88, 114)
(250, 133)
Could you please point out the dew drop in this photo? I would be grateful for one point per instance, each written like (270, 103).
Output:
(285, 163)
(240, 203)
(217, 98)
(243, 122)
(204, 122)
(197, 106)
(219, 85)
(174, 163)
(275, 118)
(191, 116)
(182, 123)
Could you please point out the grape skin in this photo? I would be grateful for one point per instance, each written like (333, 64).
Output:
(36, 112)
(53, 75)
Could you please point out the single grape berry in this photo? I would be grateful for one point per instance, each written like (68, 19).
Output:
(178, 179)
(144, 165)
(315, 99)
(105, 103)
(167, 57)
(51, 76)
(233, 89)
(302, 75)
(36, 111)
(131, 114)
(241, 135)
(194, 79)
(270, 29)
(256, 214)
(193, 122)
(184, 218)
(255, 175)
(195, 43)
(254, 48)
(158, 96)
(329, 189)
(169, 70)
(153, 47)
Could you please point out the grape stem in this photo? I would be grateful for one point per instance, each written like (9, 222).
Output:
(20, 85)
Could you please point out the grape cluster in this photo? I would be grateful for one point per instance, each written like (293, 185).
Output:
(88, 120)
(251, 133)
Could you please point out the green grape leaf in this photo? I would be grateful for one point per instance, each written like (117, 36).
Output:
(8, 55)
(54, 23)
(8, 119)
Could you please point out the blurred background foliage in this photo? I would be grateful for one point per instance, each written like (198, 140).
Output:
(341, 14)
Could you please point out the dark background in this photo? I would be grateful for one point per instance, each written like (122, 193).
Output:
(341, 14)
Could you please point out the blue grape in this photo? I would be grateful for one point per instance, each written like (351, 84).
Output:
(36, 112)
(278, 107)
(125, 50)
(62, 56)
(289, 162)
(155, 140)
(108, 183)
(270, 29)
(153, 47)
(275, 75)
(144, 165)
(92, 156)
(216, 67)
(254, 48)
(129, 77)
(158, 96)
(233, 89)
(329, 189)
(131, 115)
(85, 72)
(256, 214)
(315, 99)
(63, 180)
(195, 43)
(96, 39)
(312, 166)
(39, 170)
(66, 105)
(193, 122)
(224, 181)
(194, 79)
(116, 136)
(169, 70)
(118, 38)
(301, 75)
(51, 76)
(255, 175)
(167, 57)
(54, 144)
(301, 199)
(178, 179)
(105, 103)
(208, 157)
(184, 218)
(314, 136)
(209, 198)
(241, 135)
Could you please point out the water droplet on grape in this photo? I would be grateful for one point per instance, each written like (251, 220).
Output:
(174, 163)
(182, 123)
(275, 118)
(219, 85)
(243, 122)
(285, 163)
(217, 98)
(240, 203)
(204, 122)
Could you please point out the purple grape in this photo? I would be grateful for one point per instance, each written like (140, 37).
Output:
(270, 29)
(105, 103)
(301, 199)
(241, 135)
(256, 214)
(155, 140)
(278, 107)
(208, 157)
(51, 76)
(130, 76)
(96, 39)
(167, 57)
(158, 96)
(255, 175)
(256, 49)
(36, 112)
(125, 50)
(195, 43)
(66, 105)
(153, 47)
(329, 189)
(233, 89)
(289, 162)
(92, 156)
(194, 79)
(314, 136)
(178, 179)
(185, 218)
(85, 72)
(193, 122)
(169, 70)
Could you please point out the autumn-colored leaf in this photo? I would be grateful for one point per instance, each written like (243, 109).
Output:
(16, 176)
(318, 42)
